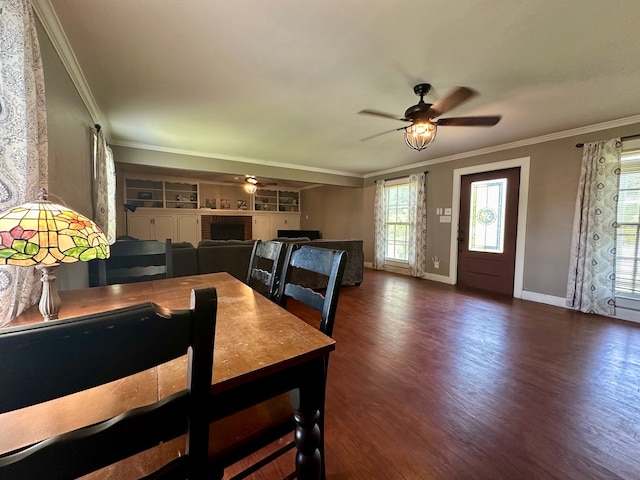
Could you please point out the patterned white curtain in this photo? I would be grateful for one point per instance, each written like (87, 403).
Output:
(23, 140)
(417, 225)
(380, 225)
(591, 283)
(104, 187)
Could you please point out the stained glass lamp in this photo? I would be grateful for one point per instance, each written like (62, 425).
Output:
(44, 235)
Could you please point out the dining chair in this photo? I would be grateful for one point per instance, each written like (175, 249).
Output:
(250, 430)
(136, 261)
(265, 266)
(47, 361)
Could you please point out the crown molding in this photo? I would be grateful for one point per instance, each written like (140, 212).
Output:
(51, 24)
(621, 122)
(231, 158)
(52, 27)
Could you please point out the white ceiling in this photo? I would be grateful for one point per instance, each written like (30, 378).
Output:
(281, 81)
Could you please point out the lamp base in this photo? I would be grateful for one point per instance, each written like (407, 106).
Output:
(49, 300)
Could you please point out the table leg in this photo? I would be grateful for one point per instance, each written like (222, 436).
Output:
(307, 402)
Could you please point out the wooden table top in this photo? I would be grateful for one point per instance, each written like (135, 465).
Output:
(254, 338)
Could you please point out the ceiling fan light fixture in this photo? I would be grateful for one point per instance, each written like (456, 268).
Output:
(250, 188)
(419, 135)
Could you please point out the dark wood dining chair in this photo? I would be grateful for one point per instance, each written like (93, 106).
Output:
(249, 431)
(265, 267)
(136, 261)
(47, 361)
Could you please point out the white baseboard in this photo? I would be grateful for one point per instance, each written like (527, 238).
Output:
(438, 278)
(627, 314)
(368, 264)
(543, 298)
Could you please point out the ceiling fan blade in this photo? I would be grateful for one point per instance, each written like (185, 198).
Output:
(469, 121)
(382, 133)
(455, 98)
(383, 114)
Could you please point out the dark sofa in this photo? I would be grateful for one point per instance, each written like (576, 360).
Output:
(233, 256)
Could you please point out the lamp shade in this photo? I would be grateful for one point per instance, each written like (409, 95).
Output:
(42, 233)
(419, 135)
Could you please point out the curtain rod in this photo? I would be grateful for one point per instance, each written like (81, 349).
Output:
(97, 127)
(397, 178)
(628, 137)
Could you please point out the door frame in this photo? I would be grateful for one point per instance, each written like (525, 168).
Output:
(523, 199)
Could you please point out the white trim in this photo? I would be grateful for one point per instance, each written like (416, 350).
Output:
(230, 158)
(544, 298)
(631, 144)
(621, 122)
(437, 278)
(395, 269)
(626, 314)
(368, 264)
(521, 233)
(47, 16)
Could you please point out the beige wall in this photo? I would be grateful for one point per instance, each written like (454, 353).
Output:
(68, 125)
(344, 209)
(335, 211)
(553, 182)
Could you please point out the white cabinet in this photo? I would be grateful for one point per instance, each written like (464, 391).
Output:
(260, 228)
(160, 226)
(188, 229)
(148, 226)
(265, 227)
(283, 222)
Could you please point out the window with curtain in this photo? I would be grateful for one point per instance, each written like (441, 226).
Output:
(104, 184)
(627, 283)
(397, 215)
(400, 217)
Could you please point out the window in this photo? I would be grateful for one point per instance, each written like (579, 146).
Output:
(397, 247)
(486, 215)
(628, 231)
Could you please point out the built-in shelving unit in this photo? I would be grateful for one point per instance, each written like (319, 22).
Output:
(266, 200)
(180, 195)
(144, 193)
(288, 201)
(152, 193)
(161, 194)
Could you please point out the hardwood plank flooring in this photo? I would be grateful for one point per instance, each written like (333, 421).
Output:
(430, 381)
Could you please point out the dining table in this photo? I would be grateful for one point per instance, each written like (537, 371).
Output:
(260, 351)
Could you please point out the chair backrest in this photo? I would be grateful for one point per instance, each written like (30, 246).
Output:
(265, 267)
(328, 263)
(44, 361)
(136, 261)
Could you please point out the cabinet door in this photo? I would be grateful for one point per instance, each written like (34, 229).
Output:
(283, 222)
(140, 226)
(291, 222)
(164, 227)
(188, 229)
(261, 229)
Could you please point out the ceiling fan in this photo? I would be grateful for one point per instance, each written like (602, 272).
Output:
(423, 116)
(251, 184)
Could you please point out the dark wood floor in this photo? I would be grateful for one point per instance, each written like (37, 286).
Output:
(433, 382)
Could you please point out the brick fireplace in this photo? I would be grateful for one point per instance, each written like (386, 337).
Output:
(207, 220)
